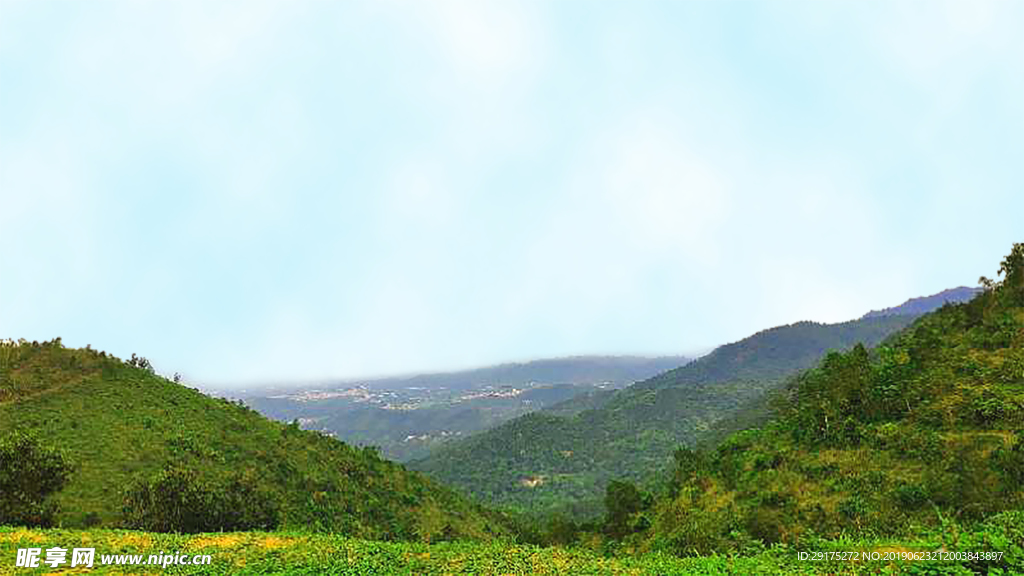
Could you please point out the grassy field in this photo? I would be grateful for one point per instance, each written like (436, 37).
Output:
(297, 553)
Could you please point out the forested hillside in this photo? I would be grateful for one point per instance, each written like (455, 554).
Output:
(562, 460)
(125, 447)
(921, 433)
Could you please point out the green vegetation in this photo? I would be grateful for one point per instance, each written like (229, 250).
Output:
(177, 500)
(303, 553)
(562, 461)
(129, 435)
(921, 434)
(914, 447)
(29, 475)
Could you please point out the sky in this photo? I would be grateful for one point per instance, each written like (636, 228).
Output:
(270, 192)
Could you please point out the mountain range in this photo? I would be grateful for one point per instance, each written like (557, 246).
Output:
(925, 304)
(562, 459)
(408, 416)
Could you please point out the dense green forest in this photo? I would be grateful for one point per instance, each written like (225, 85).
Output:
(922, 433)
(562, 460)
(125, 435)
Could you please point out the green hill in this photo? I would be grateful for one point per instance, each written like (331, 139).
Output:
(564, 459)
(922, 433)
(120, 424)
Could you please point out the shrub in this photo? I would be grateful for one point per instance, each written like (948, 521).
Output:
(854, 509)
(178, 500)
(697, 522)
(911, 496)
(1011, 461)
(1004, 533)
(765, 524)
(29, 474)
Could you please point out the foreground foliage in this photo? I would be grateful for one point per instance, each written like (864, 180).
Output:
(298, 553)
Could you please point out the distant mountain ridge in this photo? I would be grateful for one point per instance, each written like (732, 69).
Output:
(925, 304)
(407, 416)
(586, 369)
(562, 457)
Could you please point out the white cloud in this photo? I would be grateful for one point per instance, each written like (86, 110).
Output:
(48, 221)
(661, 192)
(928, 40)
(352, 174)
(492, 44)
(418, 194)
(167, 55)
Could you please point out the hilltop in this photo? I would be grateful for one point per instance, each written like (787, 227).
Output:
(926, 304)
(121, 425)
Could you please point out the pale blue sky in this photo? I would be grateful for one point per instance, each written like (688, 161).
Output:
(289, 191)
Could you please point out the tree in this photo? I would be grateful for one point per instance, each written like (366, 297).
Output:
(622, 500)
(690, 465)
(140, 362)
(1012, 270)
(29, 474)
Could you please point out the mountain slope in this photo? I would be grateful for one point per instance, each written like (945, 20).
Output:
(922, 431)
(119, 424)
(542, 461)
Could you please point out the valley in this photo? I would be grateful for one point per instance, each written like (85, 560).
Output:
(407, 417)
